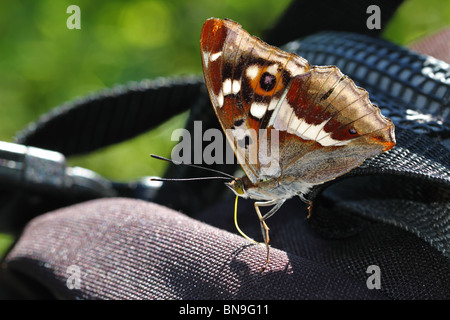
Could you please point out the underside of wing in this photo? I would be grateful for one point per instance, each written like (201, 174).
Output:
(246, 79)
(317, 124)
(329, 126)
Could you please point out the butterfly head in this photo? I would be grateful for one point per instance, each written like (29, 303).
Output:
(237, 185)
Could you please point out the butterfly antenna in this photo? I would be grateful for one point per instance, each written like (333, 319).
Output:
(224, 176)
(189, 179)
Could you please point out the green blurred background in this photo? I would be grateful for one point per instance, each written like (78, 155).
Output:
(43, 64)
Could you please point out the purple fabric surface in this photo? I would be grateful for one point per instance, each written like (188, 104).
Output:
(130, 249)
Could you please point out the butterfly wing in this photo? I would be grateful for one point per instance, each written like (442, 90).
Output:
(323, 124)
(246, 79)
(329, 126)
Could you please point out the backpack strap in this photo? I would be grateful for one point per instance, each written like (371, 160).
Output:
(111, 116)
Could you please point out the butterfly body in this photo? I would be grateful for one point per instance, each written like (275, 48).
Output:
(291, 125)
(269, 189)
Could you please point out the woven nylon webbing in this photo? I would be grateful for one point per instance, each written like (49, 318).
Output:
(111, 116)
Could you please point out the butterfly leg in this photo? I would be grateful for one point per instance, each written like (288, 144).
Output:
(308, 202)
(264, 228)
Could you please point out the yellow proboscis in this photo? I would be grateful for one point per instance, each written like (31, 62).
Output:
(236, 223)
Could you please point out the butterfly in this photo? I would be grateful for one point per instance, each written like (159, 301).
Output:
(291, 125)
